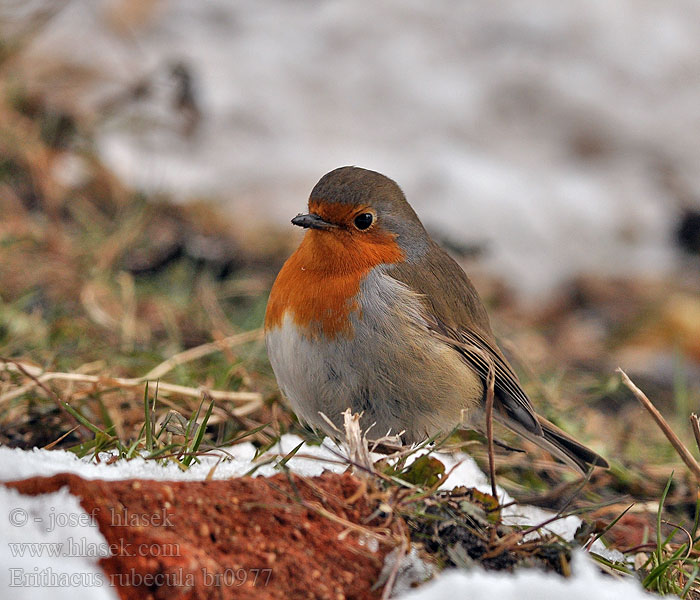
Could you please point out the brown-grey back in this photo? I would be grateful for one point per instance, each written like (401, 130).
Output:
(460, 318)
(446, 290)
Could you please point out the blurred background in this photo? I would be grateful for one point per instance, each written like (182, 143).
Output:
(153, 152)
(562, 139)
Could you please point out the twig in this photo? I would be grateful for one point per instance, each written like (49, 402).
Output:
(39, 377)
(391, 580)
(683, 452)
(490, 382)
(57, 399)
(515, 537)
(402, 551)
(356, 441)
(490, 392)
(381, 535)
(689, 551)
(199, 351)
(608, 527)
(695, 422)
(51, 445)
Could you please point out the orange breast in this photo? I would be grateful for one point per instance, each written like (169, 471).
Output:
(318, 283)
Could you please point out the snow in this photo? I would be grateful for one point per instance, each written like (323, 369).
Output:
(32, 530)
(585, 583)
(559, 134)
(37, 520)
(19, 464)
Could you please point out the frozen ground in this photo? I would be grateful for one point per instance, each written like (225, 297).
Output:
(36, 520)
(560, 134)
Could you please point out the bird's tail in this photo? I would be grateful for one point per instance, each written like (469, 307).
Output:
(560, 444)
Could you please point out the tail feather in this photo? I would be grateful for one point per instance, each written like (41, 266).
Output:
(559, 444)
(582, 456)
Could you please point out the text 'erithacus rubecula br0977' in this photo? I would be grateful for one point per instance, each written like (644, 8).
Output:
(369, 313)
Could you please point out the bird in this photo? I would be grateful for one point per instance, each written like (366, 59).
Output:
(370, 314)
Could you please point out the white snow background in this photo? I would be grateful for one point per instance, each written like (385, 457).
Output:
(26, 519)
(562, 135)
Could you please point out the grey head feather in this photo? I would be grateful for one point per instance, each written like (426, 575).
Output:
(354, 186)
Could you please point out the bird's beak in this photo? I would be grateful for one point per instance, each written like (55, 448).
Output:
(312, 221)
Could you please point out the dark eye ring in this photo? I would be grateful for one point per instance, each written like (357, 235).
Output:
(364, 220)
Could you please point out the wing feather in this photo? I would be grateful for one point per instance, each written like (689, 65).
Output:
(455, 315)
(480, 354)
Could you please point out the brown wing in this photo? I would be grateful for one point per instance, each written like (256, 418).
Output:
(460, 319)
(516, 410)
(510, 398)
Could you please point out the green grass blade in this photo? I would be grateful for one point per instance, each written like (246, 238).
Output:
(610, 525)
(199, 436)
(106, 419)
(659, 543)
(82, 420)
(243, 435)
(691, 580)
(283, 462)
(696, 520)
(147, 420)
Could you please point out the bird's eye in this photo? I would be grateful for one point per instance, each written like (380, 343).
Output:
(364, 220)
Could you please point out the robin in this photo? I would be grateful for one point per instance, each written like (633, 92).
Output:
(369, 313)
